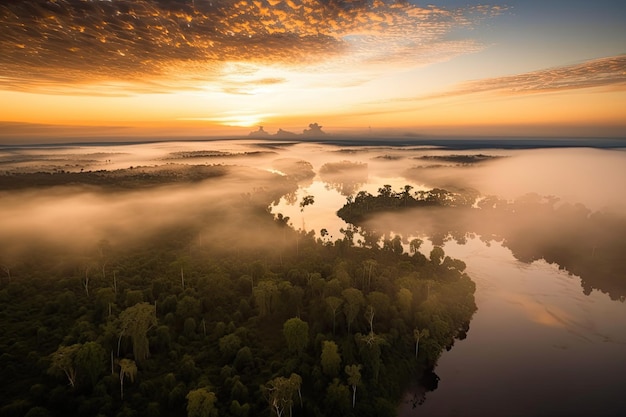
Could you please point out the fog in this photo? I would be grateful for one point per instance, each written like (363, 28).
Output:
(75, 216)
(588, 176)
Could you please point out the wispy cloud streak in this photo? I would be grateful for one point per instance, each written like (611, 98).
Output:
(162, 45)
(603, 72)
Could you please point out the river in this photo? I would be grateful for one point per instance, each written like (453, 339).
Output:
(537, 346)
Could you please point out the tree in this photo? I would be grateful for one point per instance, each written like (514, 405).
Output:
(370, 312)
(188, 307)
(354, 379)
(63, 361)
(201, 403)
(393, 245)
(406, 194)
(296, 334)
(128, 368)
(265, 294)
(132, 297)
(337, 398)
(307, 200)
(105, 298)
(414, 245)
(404, 299)
(385, 191)
(333, 304)
(368, 267)
(369, 349)
(135, 322)
(418, 335)
(90, 359)
(381, 303)
(436, 255)
(229, 345)
(331, 359)
(280, 392)
(354, 300)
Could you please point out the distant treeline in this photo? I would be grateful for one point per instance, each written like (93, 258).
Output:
(129, 178)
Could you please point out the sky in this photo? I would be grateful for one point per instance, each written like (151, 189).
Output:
(215, 67)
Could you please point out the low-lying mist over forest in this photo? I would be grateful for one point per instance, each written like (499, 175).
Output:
(311, 275)
(72, 196)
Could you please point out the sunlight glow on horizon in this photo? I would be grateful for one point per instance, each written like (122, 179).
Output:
(286, 64)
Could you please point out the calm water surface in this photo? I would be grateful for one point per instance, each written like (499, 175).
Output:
(537, 346)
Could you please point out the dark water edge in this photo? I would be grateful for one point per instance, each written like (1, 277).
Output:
(536, 347)
(452, 143)
(481, 142)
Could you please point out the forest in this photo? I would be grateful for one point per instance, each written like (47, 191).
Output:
(189, 319)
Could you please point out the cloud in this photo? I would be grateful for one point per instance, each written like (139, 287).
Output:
(603, 72)
(56, 46)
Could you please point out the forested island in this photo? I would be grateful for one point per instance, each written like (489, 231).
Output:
(585, 243)
(235, 313)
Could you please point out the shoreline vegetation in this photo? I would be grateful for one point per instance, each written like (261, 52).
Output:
(533, 227)
(196, 319)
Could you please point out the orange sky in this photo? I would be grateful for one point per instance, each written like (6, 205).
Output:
(227, 66)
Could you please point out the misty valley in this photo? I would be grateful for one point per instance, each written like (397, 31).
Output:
(278, 278)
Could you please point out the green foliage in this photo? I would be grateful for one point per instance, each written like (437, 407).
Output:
(337, 399)
(296, 334)
(436, 255)
(133, 297)
(128, 369)
(330, 359)
(63, 361)
(201, 403)
(90, 360)
(334, 304)
(239, 410)
(354, 379)
(353, 301)
(229, 345)
(135, 322)
(280, 393)
(188, 307)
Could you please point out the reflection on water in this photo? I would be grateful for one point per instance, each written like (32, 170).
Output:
(537, 346)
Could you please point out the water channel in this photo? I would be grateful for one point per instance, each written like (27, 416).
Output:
(537, 346)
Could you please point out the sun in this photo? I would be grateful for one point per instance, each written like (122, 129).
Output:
(241, 120)
(235, 119)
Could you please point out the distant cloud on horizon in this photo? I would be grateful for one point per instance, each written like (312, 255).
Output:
(78, 47)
